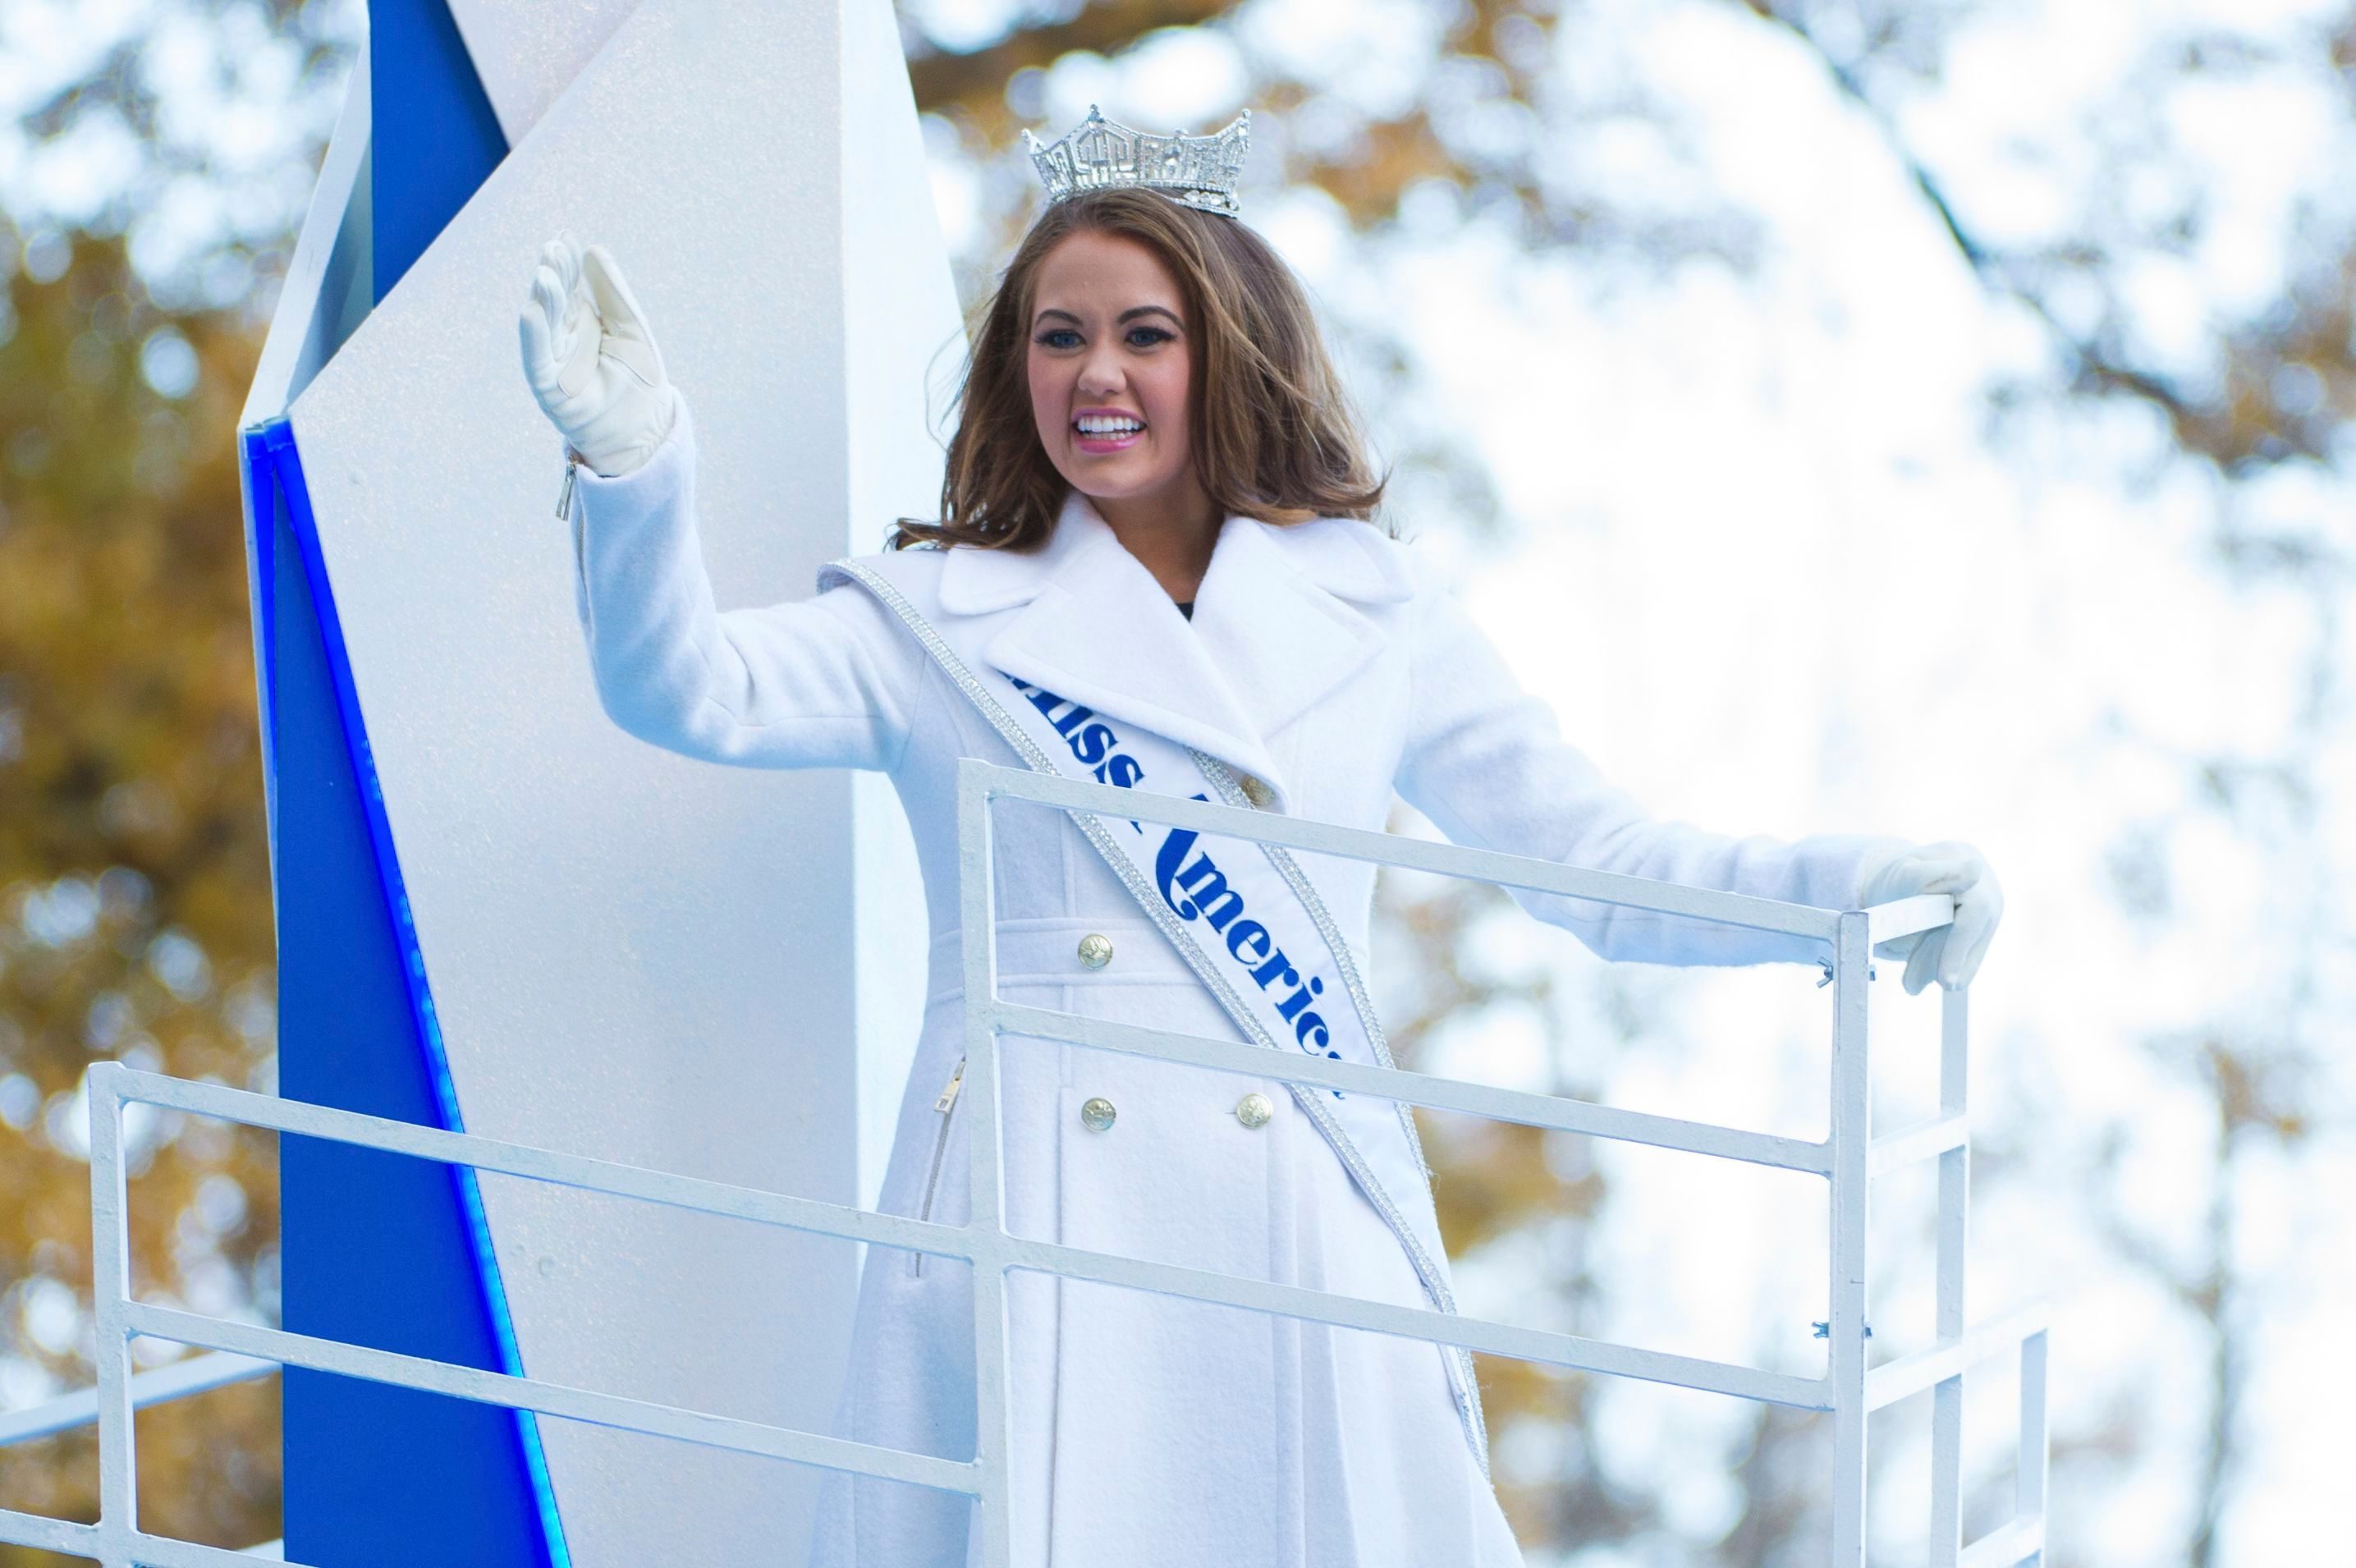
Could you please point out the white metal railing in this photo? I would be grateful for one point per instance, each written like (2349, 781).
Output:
(1848, 1158)
(193, 1375)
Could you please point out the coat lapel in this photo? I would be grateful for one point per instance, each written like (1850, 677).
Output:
(1276, 615)
(1272, 630)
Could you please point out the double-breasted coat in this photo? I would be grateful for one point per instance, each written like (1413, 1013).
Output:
(1319, 663)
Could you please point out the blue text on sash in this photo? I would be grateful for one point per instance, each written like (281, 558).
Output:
(1199, 890)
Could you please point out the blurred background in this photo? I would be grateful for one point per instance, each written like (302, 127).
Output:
(1926, 417)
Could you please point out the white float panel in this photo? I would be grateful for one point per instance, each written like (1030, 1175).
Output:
(904, 344)
(329, 282)
(528, 51)
(631, 954)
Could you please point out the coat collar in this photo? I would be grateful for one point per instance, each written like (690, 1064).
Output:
(1276, 626)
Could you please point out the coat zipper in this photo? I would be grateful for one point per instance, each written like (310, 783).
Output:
(568, 512)
(944, 1104)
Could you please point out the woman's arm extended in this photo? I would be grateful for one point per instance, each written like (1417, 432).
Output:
(827, 682)
(824, 682)
(1486, 762)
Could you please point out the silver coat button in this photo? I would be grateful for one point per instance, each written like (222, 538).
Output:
(1095, 949)
(1254, 1110)
(1097, 1114)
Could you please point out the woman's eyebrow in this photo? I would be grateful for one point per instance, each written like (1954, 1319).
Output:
(1130, 314)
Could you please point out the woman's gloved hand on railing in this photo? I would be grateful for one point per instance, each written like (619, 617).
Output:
(1950, 953)
(591, 360)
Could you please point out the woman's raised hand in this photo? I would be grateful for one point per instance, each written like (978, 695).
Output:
(1950, 953)
(591, 361)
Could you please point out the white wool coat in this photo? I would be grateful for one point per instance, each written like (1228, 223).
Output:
(1150, 1432)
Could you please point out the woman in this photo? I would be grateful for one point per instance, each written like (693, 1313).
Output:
(1155, 567)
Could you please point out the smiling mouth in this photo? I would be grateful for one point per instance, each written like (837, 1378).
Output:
(1106, 432)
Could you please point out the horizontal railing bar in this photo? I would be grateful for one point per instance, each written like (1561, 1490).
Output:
(98, 1543)
(1919, 1142)
(2005, 1545)
(553, 1399)
(63, 1536)
(1894, 1381)
(163, 1551)
(196, 1375)
(1417, 1088)
(1415, 854)
(1414, 1323)
(1904, 917)
(981, 1248)
(306, 1119)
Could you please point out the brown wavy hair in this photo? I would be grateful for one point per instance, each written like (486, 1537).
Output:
(1274, 435)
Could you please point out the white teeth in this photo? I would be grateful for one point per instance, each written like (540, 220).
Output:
(1101, 424)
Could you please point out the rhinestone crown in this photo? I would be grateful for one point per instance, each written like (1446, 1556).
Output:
(1199, 171)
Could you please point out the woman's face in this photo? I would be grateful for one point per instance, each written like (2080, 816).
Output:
(1109, 367)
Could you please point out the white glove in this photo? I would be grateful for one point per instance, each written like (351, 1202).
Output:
(591, 362)
(1951, 953)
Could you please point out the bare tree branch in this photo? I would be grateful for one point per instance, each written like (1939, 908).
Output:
(2092, 365)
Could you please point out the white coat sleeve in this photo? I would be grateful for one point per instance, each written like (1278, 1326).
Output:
(1486, 762)
(828, 682)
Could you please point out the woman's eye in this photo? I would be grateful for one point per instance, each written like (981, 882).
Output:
(1147, 337)
(1060, 338)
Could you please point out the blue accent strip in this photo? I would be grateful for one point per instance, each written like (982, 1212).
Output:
(436, 137)
(277, 489)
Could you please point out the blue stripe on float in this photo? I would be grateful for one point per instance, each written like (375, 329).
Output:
(277, 475)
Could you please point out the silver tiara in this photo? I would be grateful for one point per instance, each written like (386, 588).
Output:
(1098, 154)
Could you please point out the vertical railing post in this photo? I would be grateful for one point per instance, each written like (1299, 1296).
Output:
(1955, 1232)
(993, 1424)
(2028, 1476)
(110, 1231)
(1852, 1149)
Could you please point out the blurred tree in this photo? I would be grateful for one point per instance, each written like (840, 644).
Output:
(2261, 395)
(134, 891)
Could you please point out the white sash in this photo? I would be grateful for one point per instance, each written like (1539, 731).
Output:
(1246, 919)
